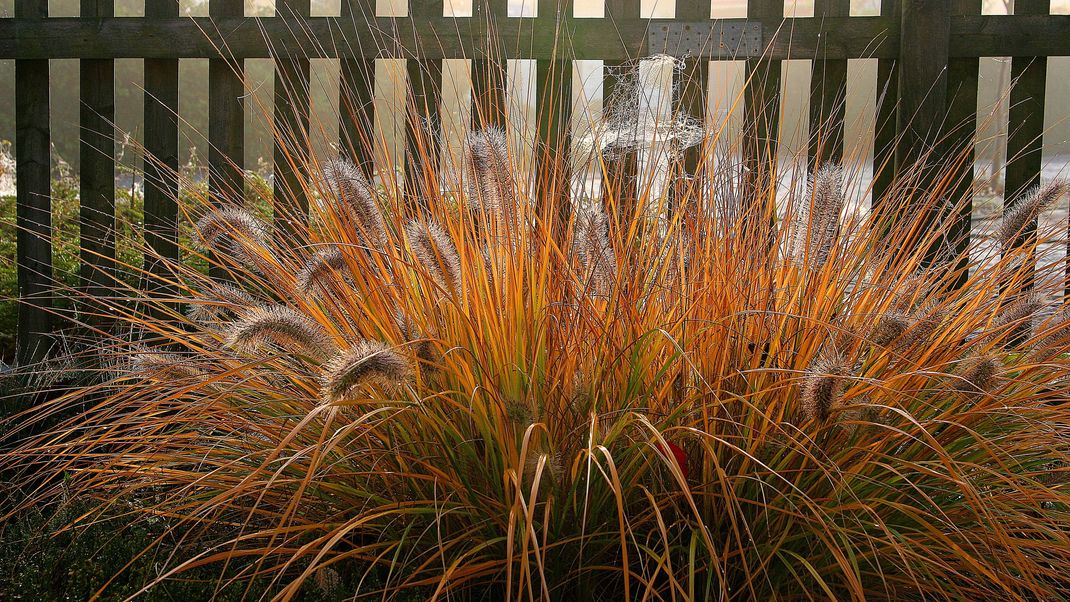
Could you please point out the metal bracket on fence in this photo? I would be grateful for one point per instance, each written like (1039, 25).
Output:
(722, 39)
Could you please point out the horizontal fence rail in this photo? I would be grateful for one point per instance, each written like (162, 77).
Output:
(927, 52)
(530, 38)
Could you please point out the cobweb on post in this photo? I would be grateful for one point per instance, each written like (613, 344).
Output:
(639, 117)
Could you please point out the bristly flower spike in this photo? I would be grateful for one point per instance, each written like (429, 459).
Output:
(357, 198)
(823, 384)
(282, 326)
(1016, 218)
(435, 251)
(817, 222)
(490, 179)
(366, 362)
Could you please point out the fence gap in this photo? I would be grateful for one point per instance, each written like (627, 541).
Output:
(885, 133)
(96, 150)
(693, 89)
(33, 198)
(620, 177)
(761, 124)
(292, 147)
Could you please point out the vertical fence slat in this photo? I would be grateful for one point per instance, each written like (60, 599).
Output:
(161, 160)
(226, 115)
(1025, 138)
(924, 39)
(762, 116)
(489, 66)
(356, 137)
(962, 133)
(33, 198)
(696, 80)
(828, 94)
(621, 176)
(885, 134)
(292, 114)
(423, 122)
(554, 88)
(96, 207)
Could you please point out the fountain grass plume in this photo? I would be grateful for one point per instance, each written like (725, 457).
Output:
(279, 325)
(433, 248)
(356, 197)
(823, 384)
(490, 180)
(321, 270)
(591, 246)
(1025, 211)
(367, 362)
(817, 221)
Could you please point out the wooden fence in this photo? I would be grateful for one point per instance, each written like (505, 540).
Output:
(928, 54)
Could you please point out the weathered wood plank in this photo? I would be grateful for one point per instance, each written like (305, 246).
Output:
(96, 207)
(33, 199)
(553, 173)
(695, 82)
(828, 95)
(1025, 138)
(161, 160)
(961, 137)
(620, 177)
(423, 130)
(885, 133)
(489, 63)
(357, 89)
(838, 38)
(226, 114)
(761, 115)
(292, 113)
(924, 35)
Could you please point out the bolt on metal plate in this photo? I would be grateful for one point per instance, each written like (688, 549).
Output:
(721, 39)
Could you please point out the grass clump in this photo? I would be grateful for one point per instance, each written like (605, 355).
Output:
(504, 394)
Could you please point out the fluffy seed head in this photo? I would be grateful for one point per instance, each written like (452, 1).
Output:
(590, 244)
(823, 384)
(816, 223)
(357, 198)
(366, 362)
(1054, 343)
(236, 233)
(1019, 313)
(282, 326)
(163, 367)
(222, 298)
(435, 251)
(977, 373)
(890, 328)
(321, 270)
(490, 178)
(1027, 210)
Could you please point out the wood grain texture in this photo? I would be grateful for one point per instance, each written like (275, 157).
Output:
(161, 161)
(961, 138)
(292, 113)
(1025, 136)
(828, 94)
(96, 206)
(33, 217)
